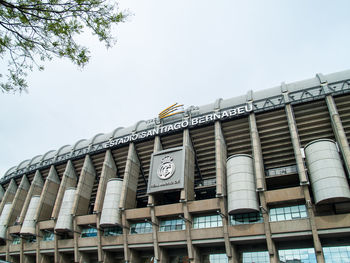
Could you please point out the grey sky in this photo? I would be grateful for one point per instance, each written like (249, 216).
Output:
(191, 52)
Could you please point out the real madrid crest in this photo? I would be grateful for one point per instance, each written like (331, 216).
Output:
(167, 168)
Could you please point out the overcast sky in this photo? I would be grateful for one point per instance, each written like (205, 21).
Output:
(186, 51)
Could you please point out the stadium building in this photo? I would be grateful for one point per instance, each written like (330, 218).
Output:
(262, 177)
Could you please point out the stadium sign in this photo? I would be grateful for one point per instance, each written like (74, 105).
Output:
(184, 123)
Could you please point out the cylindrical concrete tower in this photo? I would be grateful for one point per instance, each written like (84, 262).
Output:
(64, 220)
(4, 219)
(326, 172)
(110, 215)
(28, 227)
(241, 190)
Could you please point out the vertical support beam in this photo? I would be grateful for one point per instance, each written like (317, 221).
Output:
(84, 188)
(261, 186)
(151, 202)
(76, 233)
(128, 196)
(56, 253)
(126, 228)
(339, 132)
(304, 180)
(2, 192)
(39, 257)
(100, 254)
(156, 148)
(9, 194)
(21, 251)
(131, 175)
(296, 145)
(109, 171)
(48, 196)
(187, 194)
(69, 179)
(220, 160)
(19, 200)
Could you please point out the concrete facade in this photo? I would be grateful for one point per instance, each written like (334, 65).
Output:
(89, 203)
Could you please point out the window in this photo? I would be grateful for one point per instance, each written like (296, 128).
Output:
(207, 221)
(48, 236)
(16, 240)
(288, 213)
(303, 255)
(30, 239)
(89, 232)
(172, 225)
(248, 218)
(337, 254)
(140, 228)
(216, 258)
(113, 231)
(256, 257)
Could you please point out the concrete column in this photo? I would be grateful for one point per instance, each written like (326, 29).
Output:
(100, 253)
(339, 132)
(9, 194)
(296, 145)
(19, 200)
(2, 192)
(192, 251)
(156, 148)
(151, 202)
(220, 160)
(69, 179)
(230, 250)
(261, 186)
(221, 182)
(76, 234)
(126, 229)
(130, 180)
(109, 171)
(56, 253)
(187, 194)
(21, 251)
(48, 196)
(39, 257)
(303, 180)
(84, 188)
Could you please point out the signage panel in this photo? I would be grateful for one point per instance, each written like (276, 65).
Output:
(167, 170)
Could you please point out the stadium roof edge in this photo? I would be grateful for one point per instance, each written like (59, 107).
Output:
(264, 96)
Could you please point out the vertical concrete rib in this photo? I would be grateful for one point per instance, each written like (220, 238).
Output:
(296, 145)
(109, 171)
(131, 174)
(128, 196)
(84, 188)
(303, 179)
(220, 160)
(339, 132)
(19, 200)
(35, 189)
(187, 194)
(2, 192)
(69, 179)
(48, 196)
(9, 194)
(260, 183)
(151, 201)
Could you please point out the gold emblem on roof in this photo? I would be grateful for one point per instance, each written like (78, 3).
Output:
(171, 110)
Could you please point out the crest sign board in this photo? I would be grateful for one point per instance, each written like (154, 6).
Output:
(167, 170)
